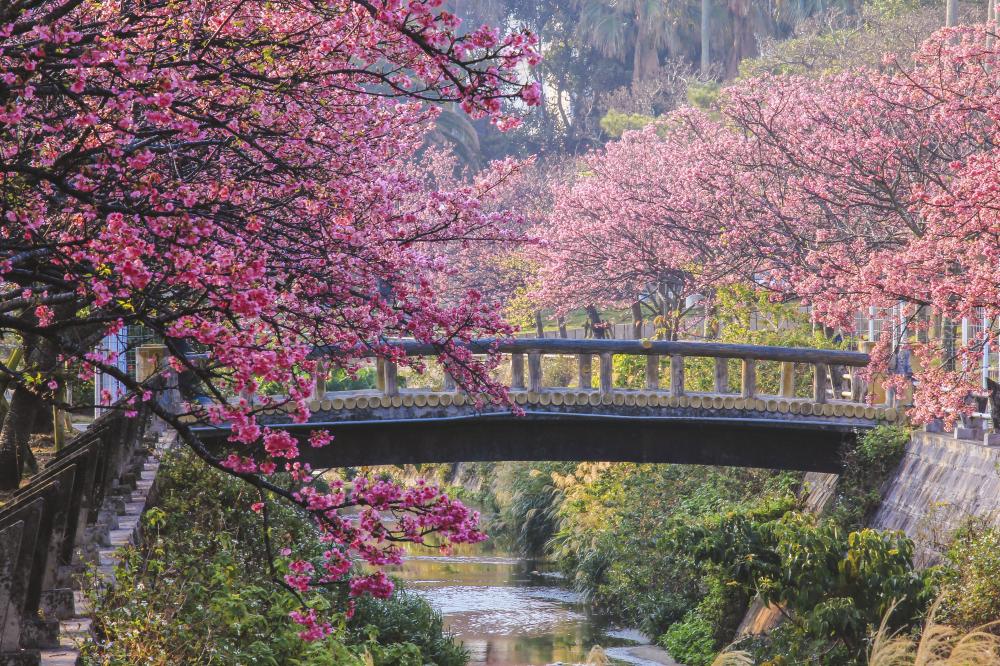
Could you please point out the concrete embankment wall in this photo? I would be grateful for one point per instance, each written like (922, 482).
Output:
(940, 483)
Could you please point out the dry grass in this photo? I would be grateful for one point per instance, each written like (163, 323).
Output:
(738, 658)
(597, 657)
(938, 645)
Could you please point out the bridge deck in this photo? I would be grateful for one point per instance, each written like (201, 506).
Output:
(412, 427)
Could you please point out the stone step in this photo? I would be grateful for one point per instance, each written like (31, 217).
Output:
(129, 523)
(107, 557)
(81, 603)
(121, 537)
(106, 573)
(61, 656)
(78, 627)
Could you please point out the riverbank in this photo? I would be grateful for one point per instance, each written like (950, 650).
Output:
(625, 535)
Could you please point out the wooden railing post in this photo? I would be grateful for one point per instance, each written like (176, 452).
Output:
(584, 369)
(748, 378)
(819, 383)
(391, 378)
(787, 379)
(857, 386)
(319, 380)
(534, 372)
(721, 375)
(517, 372)
(676, 375)
(607, 373)
(148, 360)
(652, 372)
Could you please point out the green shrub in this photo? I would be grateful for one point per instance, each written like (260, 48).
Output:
(692, 640)
(970, 594)
(866, 467)
(615, 123)
(199, 590)
(710, 625)
(836, 586)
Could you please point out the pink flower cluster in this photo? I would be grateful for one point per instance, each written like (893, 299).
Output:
(220, 173)
(852, 191)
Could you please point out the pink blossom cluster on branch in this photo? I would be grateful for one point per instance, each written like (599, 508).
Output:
(234, 176)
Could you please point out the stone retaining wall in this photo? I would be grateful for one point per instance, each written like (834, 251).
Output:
(940, 482)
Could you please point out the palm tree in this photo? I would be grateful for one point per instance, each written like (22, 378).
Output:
(706, 32)
(454, 130)
(614, 27)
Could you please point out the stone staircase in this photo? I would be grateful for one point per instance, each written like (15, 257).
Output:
(121, 527)
(69, 517)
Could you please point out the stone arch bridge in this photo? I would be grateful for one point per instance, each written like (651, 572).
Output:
(821, 402)
(89, 496)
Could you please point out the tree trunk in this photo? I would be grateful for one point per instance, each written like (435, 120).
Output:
(561, 323)
(744, 40)
(539, 327)
(645, 59)
(18, 425)
(706, 33)
(636, 320)
(26, 409)
(951, 13)
(600, 332)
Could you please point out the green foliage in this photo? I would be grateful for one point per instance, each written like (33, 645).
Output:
(607, 526)
(341, 381)
(691, 641)
(970, 594)
(199, 589)
(895, 8)
(615, 123)
(630, 371)
(856, 40)
(866, 467)
(703, 94)
(835, 585)
(528, 510)
(710, 625)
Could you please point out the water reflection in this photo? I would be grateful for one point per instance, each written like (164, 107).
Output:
(508, 611)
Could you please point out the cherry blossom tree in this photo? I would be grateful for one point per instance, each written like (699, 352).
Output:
(629, 228)
(233, 176)
(869, 190)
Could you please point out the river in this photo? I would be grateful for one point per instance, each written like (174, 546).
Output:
(514, 612)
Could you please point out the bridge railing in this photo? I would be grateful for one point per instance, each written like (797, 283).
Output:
(829, 367)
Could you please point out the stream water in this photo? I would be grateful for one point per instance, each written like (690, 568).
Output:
(514, 612)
